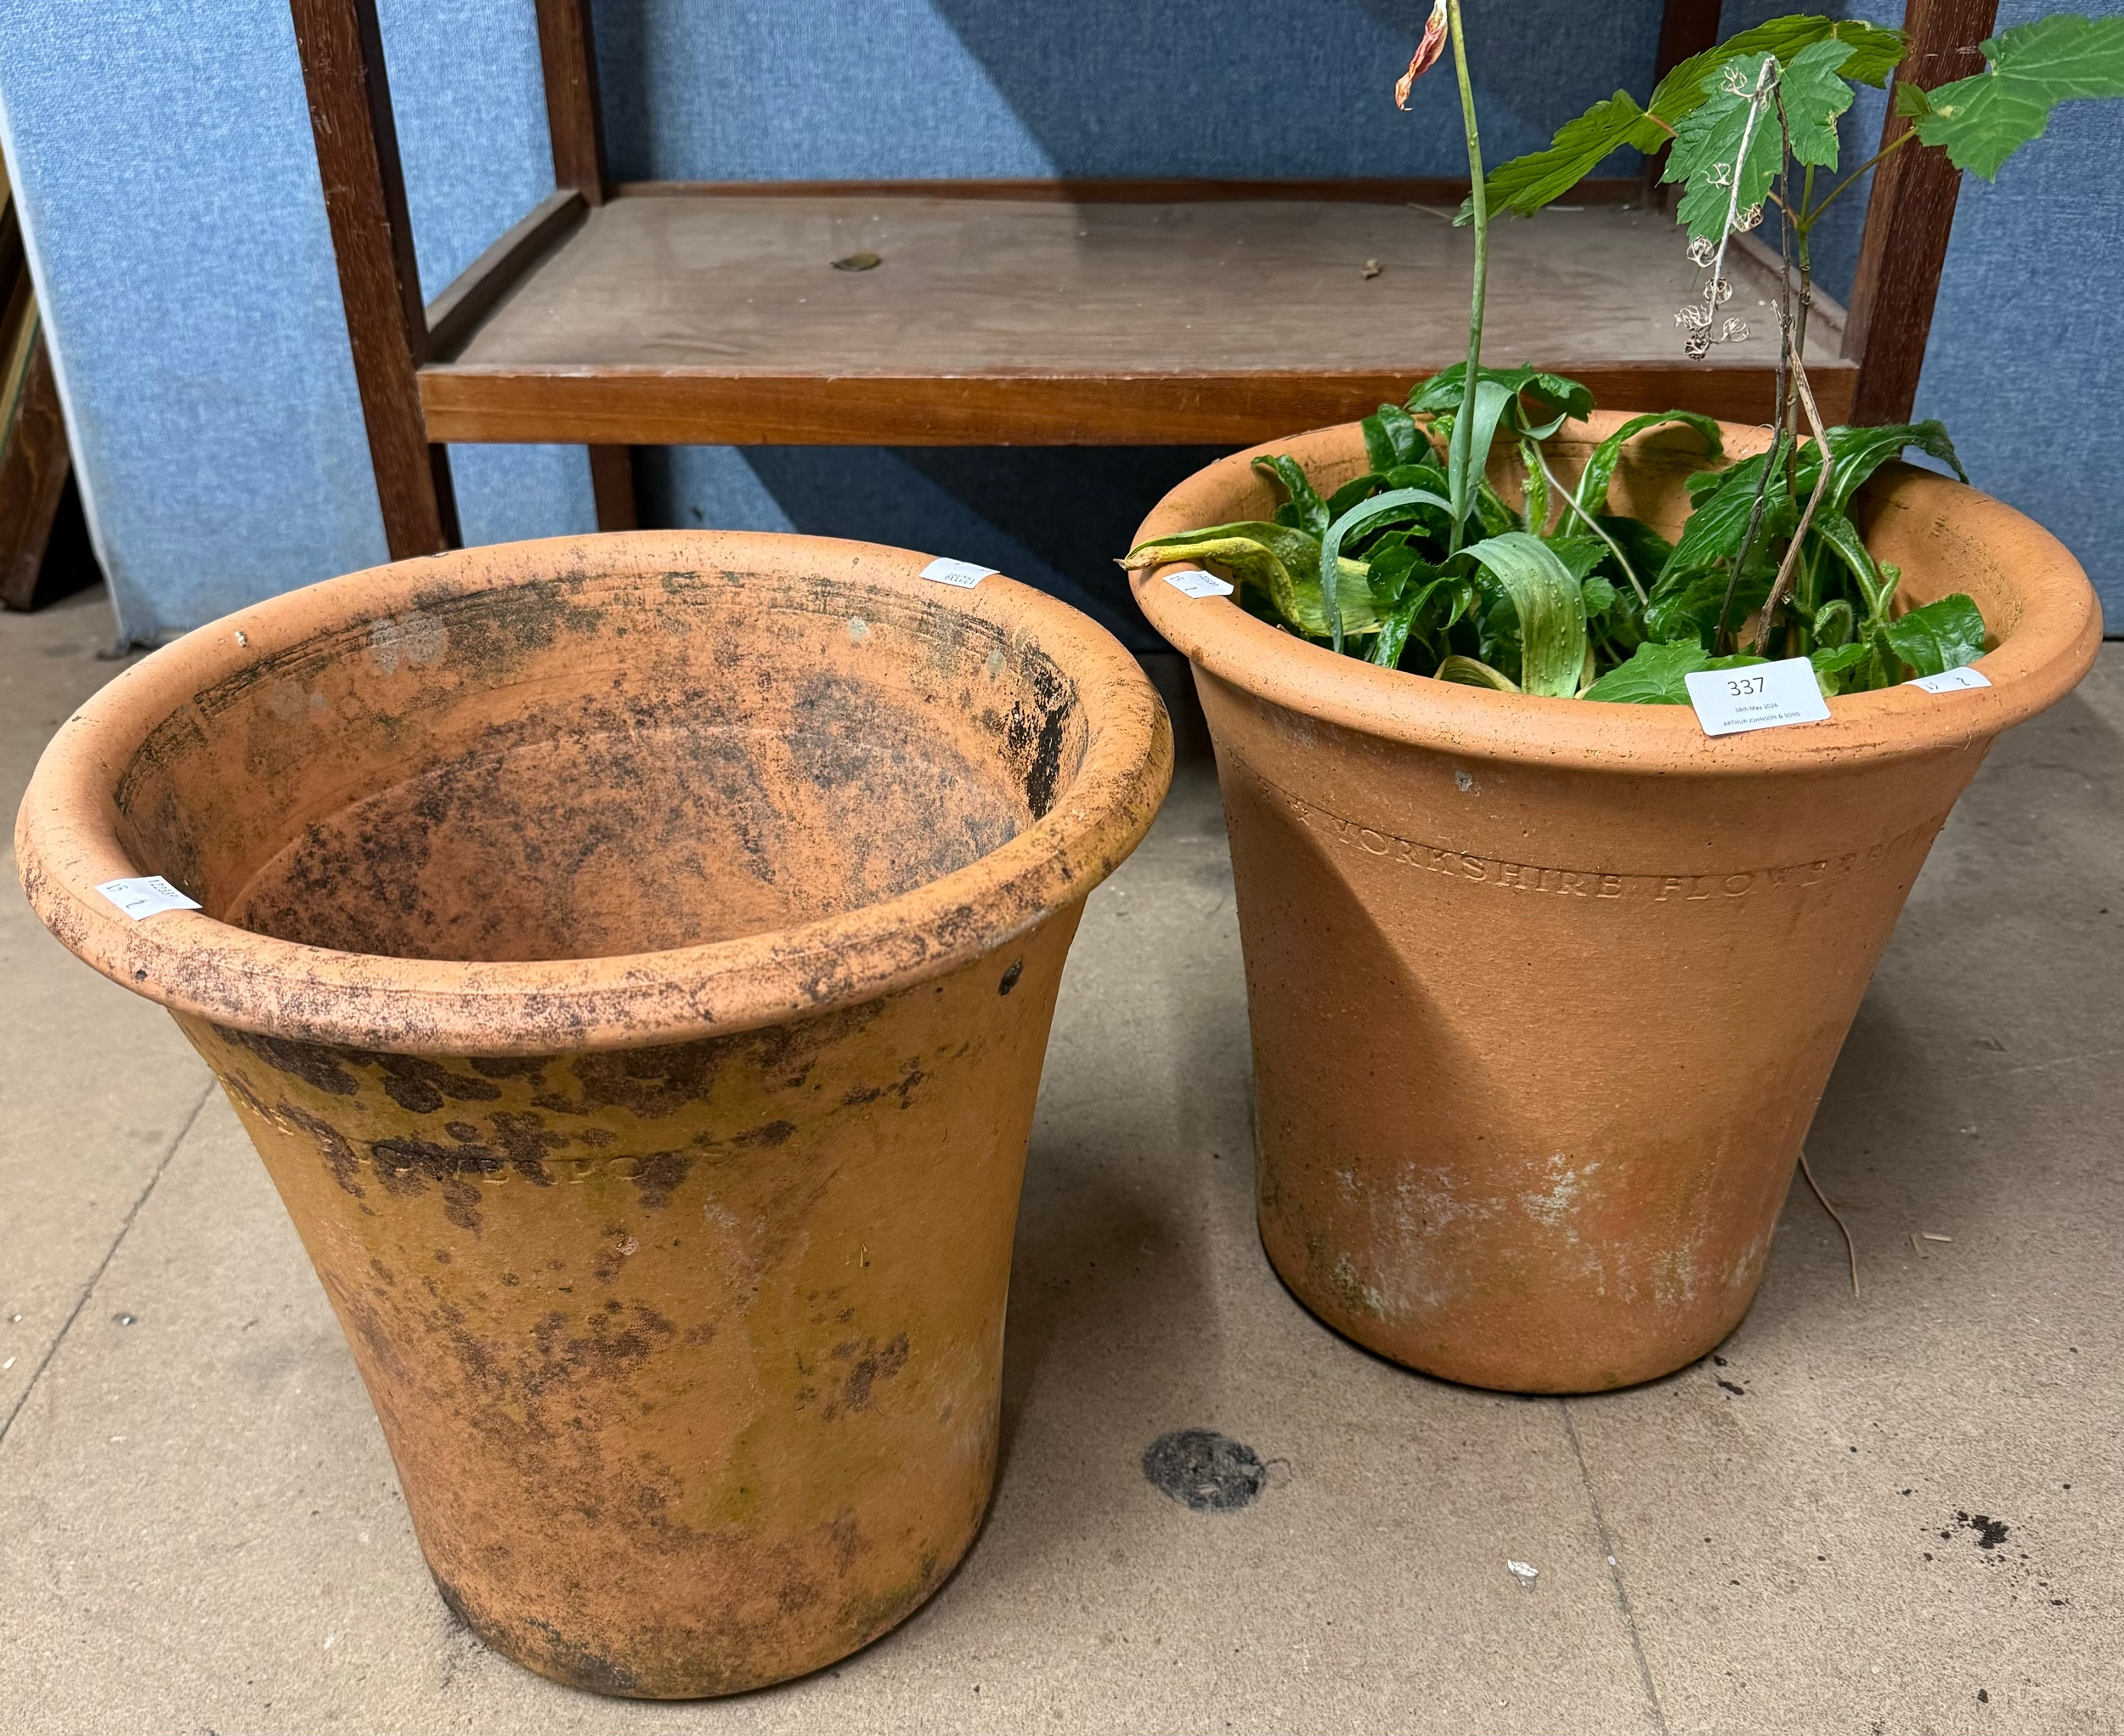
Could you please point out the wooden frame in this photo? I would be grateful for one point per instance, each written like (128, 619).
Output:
(418, 391)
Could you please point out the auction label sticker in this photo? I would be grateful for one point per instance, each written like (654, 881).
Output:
(1950, 681)
(1760, 695)
(963, 573)
(148, 895)
(1192, 581)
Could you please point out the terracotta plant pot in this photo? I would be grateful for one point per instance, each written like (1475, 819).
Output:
(633, 958)
(1544, 992)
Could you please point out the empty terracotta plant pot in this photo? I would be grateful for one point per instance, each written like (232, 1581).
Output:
(633, 958)
(1544, 993)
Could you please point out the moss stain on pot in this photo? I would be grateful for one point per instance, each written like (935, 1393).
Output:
(602, 948)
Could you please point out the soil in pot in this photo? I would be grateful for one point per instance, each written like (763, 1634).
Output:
(633, 960)
(1544, 992)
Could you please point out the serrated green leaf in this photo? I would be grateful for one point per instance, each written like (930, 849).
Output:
(1526, 183)
(1599, 595)
(1980, 121)
(1720, 520)
(1833, 664)
(1652, 676)
(1940, 636)
(1550, 608)
(1814, 96)
(1580, 555)
(1875, 53)
(1600, 466)
(1727, 149)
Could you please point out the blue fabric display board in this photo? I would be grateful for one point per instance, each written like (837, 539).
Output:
(162, 155)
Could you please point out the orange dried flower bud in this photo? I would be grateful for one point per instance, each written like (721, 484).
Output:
(1426, 55)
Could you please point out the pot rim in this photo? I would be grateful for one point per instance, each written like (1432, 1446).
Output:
(2050, 647)
(66, 837)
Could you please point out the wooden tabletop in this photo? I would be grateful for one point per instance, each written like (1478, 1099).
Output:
(678, 316)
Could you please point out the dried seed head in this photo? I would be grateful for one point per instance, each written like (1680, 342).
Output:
(1696, 348)
(1703, 251)
(1718, 291)
(1733, 331)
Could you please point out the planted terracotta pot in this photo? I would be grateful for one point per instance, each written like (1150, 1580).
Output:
(1544, 992)
(633, 960)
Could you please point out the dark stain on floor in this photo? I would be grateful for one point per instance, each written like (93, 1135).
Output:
(1205, 1471)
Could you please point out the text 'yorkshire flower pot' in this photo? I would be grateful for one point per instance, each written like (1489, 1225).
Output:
(1544, 992)
(633, 958)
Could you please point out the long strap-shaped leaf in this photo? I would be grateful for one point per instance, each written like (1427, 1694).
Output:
(1552, 608)
(1363, 513)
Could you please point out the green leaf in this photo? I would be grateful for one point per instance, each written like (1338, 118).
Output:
(1455, 594)
(1468, 672)
(1981, 122)
(1716, 528)
(1941, 635)
(1526, 183)
(1600, 596)
(1309, 513)
(1391, 439)
(1580, 555)
(1834, 626)
(1875, 53)
(1831, 663)
(1278, 562)
(1599, 467)
(1467, 463)
(1365, 513)
(1690, 613)
(1840, 534)
(1652, 676)
(1726, 181)
(1550, 607)
(1647, 550)
(1814, 96)
(1859, 452)
(1550, 394)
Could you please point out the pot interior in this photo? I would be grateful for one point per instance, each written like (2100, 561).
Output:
(591, 765)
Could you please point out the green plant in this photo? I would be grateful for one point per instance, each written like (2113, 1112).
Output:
(1422, 565)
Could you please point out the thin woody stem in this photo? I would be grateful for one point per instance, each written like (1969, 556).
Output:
(1777, 591)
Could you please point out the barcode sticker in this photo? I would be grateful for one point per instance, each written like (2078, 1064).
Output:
(148, 895)
(963, 573)
(1760, 696)
(1951, 681)
(1192, 581)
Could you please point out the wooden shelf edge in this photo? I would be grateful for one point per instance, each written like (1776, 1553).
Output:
(1377, 190)
(678, 407)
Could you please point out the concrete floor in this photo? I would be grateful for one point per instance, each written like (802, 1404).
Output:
(202, 1530)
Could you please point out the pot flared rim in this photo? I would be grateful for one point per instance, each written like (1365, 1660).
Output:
(67, 840)
(2051, 645)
